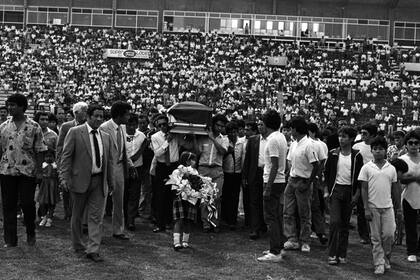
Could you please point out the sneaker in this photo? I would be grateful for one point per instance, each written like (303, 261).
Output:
(342, 260)
(305, 248)
(380, 269)
(412, 258)
(270, 258)
(48, 223)
(43, 221)
(291, 245)
(332, 260)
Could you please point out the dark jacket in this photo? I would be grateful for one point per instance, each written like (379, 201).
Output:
(330, 172)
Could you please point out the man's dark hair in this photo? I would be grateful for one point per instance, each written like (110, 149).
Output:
(349, 131)
(218, 118)
(412, 134)
(253, 126)
(379, 141)
(119, 108)
(39, 114)
(133, 118)
(230, 126)
(313, 127)
(92, 108)
(272, 119)
(52, 117)
(160, 117)
(287, 125)
(398, 133)
(4, 108)
(240, 123)
(300, 125)
(19, 99)
(143, 117)
(371, 128)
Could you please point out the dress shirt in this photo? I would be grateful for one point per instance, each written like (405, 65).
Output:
(160, 145)
(134, 143)
(261, 152)
(95, 169)
(209, 153)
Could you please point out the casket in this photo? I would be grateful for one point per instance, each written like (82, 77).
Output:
(190, 118)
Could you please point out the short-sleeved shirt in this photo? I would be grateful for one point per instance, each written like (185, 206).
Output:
(301, 156)
(364, 150)
(276, 147)
(379, 183)
(209, 153)
(412, 191)
(19, 147)
(322, 149)
(134, 143)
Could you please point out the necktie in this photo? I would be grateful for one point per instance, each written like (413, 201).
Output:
(96, 145)
(119, 140)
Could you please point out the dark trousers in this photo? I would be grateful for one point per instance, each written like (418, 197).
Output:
(46, 210)
(230, 197)
(132, 198)
(362, 225)
(412, 236)
(256, 213)
(318, 218)
(67, 204)
(273, 214)
(340, 213)
(16, 189)
(163, 194)
(245, 201)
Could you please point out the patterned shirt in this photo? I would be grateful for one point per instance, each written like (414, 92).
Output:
(19, 146)
(50, 139)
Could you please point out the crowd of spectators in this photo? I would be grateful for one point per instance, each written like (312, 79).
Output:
(58, 65)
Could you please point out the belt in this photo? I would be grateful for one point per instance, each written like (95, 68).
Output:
(210, 166)
(96, 174)
(299, 178)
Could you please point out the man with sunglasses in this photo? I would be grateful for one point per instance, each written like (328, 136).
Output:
(212, 148)
(166, 149)
(368, 132)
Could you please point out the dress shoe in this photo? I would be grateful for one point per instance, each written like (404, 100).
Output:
(159, 229)
(9, 245)
(177, 247)
(254, 235)
(95, 257)
(121, 237)
(31, 239)
(131, 227)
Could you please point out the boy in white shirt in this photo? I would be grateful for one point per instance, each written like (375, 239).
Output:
(379, 190)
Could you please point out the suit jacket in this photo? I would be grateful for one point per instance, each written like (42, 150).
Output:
(76, 160)
(249, 170)
(61, 136)
(108, 128)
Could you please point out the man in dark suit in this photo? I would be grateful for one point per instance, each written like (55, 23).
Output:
(253, 180)
(123, 167)
(86, 171)
(79, 111)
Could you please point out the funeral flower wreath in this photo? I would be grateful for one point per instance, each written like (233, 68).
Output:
(193, 188)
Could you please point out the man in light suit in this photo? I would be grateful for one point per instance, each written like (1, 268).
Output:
(253, 180)
(79, 111)
(87, 173)
(123, 167)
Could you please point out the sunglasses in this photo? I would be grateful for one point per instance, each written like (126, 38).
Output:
(413, 142)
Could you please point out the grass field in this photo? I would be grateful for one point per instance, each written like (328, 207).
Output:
(226, 255)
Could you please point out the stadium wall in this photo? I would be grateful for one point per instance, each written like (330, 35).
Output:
(405, 10)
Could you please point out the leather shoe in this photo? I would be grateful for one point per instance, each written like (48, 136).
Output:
(121, 236)
(80, 252)
(95, 257)
(158, 229)
(9, 245)
(31, 240)
(254, 235)
(131, 227)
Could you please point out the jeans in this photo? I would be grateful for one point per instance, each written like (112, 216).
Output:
(16, 189)
(382, 229)
(340, 213)
(273, 215)
(297, 196)
(412, 236)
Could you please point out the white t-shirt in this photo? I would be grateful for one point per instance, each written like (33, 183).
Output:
(301, 156)
(379, 183)
(263, 143)
(365, 151)
(321, 149)
(343, 170)
(276, 147)
(134, 143)
(412, 191)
